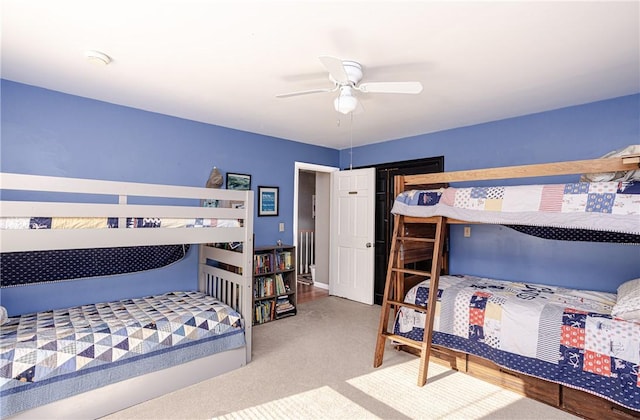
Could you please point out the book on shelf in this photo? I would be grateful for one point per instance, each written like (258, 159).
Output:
(264, 312)
(284, 310)
(283, 305)
(281, 288)
(288, 261)
(284, 260)
(262, 264)
(263, 286)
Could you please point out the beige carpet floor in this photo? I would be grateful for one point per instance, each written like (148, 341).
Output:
(318, 365)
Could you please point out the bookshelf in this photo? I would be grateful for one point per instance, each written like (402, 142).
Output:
(274, 283)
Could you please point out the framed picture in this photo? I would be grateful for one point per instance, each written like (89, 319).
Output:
(268, 201)
(238, 181)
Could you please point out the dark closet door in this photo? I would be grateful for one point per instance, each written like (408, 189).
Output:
(384, 202)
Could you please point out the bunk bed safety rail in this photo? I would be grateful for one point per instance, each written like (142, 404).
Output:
(617, 164)
(169, 209)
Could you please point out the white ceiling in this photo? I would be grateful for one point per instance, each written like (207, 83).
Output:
(223, 62)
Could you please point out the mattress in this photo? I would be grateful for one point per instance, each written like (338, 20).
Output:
(110, 222)
(45, 355)
(596, 206)
(32, 267)
(561, 335)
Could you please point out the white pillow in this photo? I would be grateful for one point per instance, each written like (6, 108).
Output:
(3, 315)
(615, 176)
(627, 306)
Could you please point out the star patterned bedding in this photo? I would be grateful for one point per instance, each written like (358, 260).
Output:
(32, 267)
(54, 354)
(561, 335)
(612, 207)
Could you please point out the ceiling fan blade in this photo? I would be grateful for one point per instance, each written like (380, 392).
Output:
(335, 68)
(304, 92)
(390, 87)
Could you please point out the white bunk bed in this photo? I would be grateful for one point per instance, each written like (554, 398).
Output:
(223, 273)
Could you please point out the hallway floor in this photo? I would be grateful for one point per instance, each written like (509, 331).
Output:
(307, 293)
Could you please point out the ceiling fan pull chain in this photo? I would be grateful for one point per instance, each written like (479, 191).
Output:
(351, 141)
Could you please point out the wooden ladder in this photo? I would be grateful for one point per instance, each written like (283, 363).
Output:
(394, 289)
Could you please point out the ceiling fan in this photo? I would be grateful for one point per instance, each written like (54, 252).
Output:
(346, 76)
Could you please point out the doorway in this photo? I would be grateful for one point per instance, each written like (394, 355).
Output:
(311, 210)
(385, 197)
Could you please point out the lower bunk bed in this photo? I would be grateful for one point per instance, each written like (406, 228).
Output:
(574, 349)
(51, 355)
(97, 358)
(542, 341)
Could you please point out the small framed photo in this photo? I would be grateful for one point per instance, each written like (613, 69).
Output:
(268, 201)
(238, 181)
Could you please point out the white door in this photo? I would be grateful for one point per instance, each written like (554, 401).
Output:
(352, 224)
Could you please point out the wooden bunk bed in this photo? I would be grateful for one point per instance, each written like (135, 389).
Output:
(224, 285)
(418, 253)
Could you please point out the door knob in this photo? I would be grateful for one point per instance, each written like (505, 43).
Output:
(368, 245)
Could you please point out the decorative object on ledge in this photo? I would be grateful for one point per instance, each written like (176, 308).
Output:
(215, 181)
(238, 181)
(268, 201)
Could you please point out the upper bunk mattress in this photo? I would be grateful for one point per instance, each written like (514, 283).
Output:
(110, 222)
(45, 349)
(597, 206)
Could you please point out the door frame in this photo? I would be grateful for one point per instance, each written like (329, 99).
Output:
(300, 166)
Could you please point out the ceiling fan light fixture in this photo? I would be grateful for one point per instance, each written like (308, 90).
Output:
(346, 75)
(345, 103)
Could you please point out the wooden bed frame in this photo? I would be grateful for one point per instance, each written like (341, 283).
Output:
(230, 281)
(575, 401)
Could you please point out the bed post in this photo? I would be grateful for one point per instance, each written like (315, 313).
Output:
(247, 273)
(230, 281)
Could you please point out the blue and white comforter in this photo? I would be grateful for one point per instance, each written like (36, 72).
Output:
(49, 348)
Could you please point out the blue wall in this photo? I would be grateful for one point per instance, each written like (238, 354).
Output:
(579, 132)
(51, 133)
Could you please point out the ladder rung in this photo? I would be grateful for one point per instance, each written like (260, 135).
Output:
(411, 245)
(403, 340)
(413, 239)
(409, 271)
(407, 305)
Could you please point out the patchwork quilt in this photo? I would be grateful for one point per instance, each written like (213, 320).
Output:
(601, 206)
(48, 347)
(561, 335)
